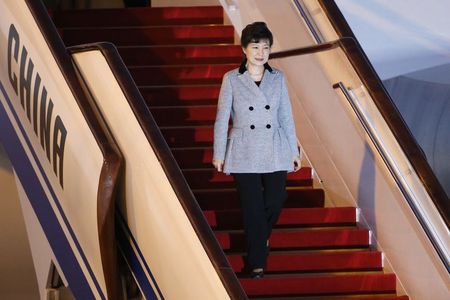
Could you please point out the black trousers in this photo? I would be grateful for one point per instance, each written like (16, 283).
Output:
(262, 197)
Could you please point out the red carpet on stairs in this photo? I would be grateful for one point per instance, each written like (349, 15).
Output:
(177, 57)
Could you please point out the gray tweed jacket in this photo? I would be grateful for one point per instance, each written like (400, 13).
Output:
(262, 138)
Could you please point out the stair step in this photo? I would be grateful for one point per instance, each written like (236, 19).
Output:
(210, 178)
(188, 136)
(181, 95)
(185, 115)
(292, 217)
(228, 199)
(193, 157)
(146, 36)
(180, 55)
(320, 238)
(319, 261)
(383, 296)
(319, 285)
(171, 75)
(139, 16)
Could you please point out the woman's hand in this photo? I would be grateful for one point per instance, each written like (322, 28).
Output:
(297, 163)
(218, 164)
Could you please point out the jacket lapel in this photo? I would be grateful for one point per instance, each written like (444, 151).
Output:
(264, 88)
(266, 83)
(249, 83)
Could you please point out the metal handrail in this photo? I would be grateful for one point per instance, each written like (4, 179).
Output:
(310, 24)
(418, 212)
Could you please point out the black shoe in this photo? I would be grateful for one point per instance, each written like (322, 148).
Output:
(257, 274)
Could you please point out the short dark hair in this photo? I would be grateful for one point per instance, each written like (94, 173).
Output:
(254, 33)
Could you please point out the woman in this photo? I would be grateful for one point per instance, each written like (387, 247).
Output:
(261, 146)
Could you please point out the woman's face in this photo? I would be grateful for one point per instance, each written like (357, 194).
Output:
(257, 53)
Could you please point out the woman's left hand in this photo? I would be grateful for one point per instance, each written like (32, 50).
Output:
(297, 163)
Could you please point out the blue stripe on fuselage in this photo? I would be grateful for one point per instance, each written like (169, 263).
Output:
(42, 207)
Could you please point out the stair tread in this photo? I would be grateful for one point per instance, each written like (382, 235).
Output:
(277, 285)
(188, 136)
(290, 230)
(318, 275)
(227, 198)
(180, 87)
(180, 95)
(139, 16)
(174, 74)
(232, 218)
(185, 115)
(211, 178)
(322, 210)
(378, 296)
(315, 261)
(144, 27)
(179, 55)
(300, 238)
(147, 36)
(304, 172)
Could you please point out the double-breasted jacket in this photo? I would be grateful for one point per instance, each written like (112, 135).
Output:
(262, 137)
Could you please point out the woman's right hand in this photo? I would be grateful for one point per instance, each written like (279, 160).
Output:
(218, 164)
